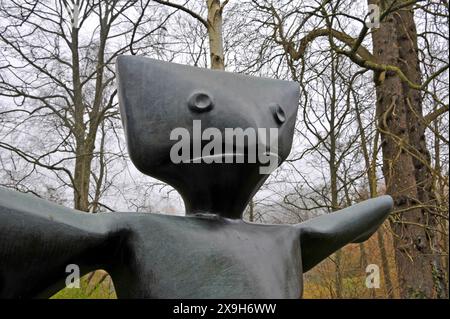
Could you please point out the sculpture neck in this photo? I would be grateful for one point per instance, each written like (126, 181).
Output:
(222, 204)
(222, 189)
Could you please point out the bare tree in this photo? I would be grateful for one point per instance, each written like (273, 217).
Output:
(58, 77)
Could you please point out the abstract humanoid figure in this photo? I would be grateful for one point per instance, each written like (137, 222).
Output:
(209, 253)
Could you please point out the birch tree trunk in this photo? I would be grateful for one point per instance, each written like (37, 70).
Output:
(215, 35)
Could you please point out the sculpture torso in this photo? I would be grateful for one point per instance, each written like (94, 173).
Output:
(204, 257)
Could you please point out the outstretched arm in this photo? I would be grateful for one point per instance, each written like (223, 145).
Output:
(322, 236)
(39, 239)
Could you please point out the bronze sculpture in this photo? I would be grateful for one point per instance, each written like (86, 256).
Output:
(211, 252)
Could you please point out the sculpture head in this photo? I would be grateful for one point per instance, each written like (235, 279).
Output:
(214, 136)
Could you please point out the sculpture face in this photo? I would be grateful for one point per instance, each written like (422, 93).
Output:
(158, 99)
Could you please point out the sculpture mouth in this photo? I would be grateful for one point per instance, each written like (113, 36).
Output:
(268, 157)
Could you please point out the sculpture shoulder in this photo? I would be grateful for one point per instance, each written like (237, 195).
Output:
(211, 225)
(203, 256)
(49, 237)
(18, 210)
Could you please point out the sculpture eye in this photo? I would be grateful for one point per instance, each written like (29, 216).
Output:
(278, 113)
(200, 102)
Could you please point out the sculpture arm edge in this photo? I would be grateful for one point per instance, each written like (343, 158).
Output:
(323, 235)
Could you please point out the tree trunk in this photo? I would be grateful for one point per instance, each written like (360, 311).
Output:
(412, 251)
(333, 166)
(409, 63)
(338, 274)
(82, 174)
(215, 34)
(82, 162)
(388, 286)
(371, 166)
(251, 212)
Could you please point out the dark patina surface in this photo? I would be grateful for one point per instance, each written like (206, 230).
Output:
(209, 253)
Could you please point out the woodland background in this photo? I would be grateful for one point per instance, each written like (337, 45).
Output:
(373, 117)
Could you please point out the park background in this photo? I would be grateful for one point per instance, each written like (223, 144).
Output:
(372, 119)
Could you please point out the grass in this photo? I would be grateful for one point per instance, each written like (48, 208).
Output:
(97, 285)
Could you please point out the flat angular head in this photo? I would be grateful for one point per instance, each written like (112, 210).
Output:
(176, 120)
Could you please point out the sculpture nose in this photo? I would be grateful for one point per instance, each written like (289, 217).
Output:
(200, 102)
